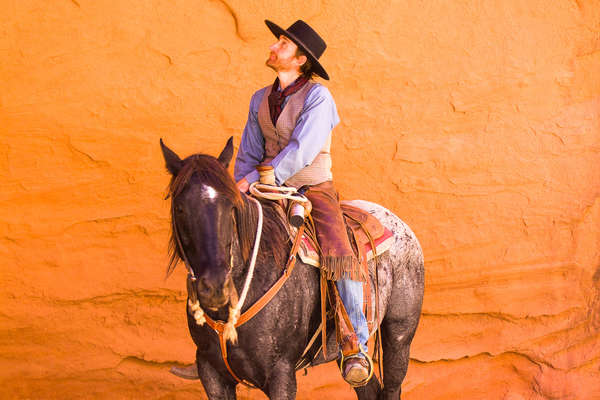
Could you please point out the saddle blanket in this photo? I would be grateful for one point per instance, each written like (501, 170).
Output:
(309, 254)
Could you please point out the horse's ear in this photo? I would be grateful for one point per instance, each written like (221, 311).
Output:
(227, 153)
(172, 160)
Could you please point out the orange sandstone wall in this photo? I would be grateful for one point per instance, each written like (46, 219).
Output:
(478, 122)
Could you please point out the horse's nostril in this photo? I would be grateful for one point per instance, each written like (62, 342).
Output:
(205, 288)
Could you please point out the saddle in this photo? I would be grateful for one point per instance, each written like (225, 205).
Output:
(369, 239)
(355, 218)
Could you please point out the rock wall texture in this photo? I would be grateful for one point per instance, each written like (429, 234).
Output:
(478, 122)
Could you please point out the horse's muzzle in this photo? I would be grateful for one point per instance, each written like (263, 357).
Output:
(211, 295)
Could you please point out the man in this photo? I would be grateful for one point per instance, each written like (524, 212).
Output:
(289, 127)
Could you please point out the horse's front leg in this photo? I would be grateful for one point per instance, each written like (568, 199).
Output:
(215, 386)
(282, 382)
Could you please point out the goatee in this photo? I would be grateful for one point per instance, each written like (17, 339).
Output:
(270, 65)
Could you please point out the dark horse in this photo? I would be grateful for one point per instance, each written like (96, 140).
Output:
(217, 227)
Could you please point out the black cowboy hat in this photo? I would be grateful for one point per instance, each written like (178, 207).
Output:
(307, 39)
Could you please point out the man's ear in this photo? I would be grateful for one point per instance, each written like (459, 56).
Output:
(301, 60)
(172, 160)
(227, 153)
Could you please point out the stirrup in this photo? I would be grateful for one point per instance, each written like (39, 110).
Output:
(366, 357)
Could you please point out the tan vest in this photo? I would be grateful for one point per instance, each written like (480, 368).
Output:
(277, 137)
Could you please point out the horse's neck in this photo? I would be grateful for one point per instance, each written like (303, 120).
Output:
(266, 270)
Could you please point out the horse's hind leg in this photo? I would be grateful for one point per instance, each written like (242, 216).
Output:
(396, 339)
(396, 347)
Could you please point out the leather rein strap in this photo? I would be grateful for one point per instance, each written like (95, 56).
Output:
(219, 326)
(378, 343)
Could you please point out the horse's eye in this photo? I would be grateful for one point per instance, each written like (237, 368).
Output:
(178, 209)
(185, 239)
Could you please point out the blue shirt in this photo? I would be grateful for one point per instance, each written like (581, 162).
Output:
(316, 120)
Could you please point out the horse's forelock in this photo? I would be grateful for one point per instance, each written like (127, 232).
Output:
(210, 172)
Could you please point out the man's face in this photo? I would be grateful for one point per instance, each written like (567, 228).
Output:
(283, 56)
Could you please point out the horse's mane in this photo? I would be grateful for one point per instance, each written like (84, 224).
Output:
(211, 172)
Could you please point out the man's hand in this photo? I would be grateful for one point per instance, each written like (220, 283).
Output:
(243, 185)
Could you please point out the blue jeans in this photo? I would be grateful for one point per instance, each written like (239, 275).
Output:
(351, 293)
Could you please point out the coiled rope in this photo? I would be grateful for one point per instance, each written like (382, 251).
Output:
(271, 192)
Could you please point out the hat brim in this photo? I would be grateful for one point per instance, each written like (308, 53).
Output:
(316, 65)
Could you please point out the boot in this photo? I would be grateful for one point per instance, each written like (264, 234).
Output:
(355, 370)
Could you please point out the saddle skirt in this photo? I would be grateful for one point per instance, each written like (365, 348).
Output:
(356, 219)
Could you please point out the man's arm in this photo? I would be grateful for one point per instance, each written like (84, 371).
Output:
(252, 146)
(317, 119)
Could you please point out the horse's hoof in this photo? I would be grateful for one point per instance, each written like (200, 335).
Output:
(189, 372)
(356, 371)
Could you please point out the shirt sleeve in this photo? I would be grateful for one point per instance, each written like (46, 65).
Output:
(317, 119)
(252, 146)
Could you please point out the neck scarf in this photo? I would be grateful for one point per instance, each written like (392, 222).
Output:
(276, 97)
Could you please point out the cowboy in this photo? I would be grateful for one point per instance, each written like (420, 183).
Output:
(289, 128)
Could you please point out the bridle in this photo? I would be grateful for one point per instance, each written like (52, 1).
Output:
(234, 311)
(180, 248)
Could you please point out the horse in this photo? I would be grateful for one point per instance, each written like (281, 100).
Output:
(213, 228)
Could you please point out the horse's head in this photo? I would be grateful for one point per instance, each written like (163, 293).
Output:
(204, 202)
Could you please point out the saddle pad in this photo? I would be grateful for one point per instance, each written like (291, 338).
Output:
(309, 255)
